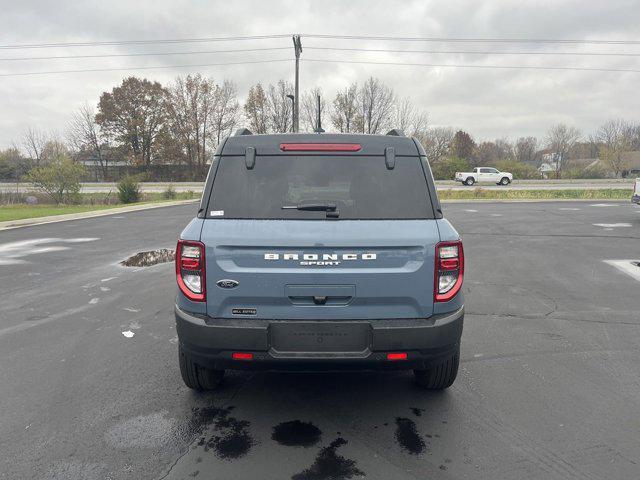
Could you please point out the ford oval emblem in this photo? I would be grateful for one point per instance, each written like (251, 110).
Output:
(227, 283)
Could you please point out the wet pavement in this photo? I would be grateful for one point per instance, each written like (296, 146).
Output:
(548, 384)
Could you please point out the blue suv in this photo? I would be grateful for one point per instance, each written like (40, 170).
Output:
(319, 252)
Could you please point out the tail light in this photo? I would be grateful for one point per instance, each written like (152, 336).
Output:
(190, 271)
(449, 270)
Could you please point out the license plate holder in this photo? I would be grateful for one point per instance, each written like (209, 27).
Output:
(320, 337)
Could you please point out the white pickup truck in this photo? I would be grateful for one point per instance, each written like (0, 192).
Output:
(484, 175)
(636, 192)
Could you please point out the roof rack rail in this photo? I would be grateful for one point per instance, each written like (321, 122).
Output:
(242, 131)
(396, 132)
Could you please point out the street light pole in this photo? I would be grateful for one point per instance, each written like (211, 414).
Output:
(293, 111)
(297, 45)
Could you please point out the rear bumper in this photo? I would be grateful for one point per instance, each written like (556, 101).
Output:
(211, 342)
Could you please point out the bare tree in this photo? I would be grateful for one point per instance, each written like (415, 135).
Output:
(84, 135)
(225, 111)
(617, 138)
(437, 142)
(376, 101)
(33, 141)
(309, 108)
(408, 118)
(190, 106)
(561, 139)
(255, 109)
(526, 149)
(345, 109)
(279, 109)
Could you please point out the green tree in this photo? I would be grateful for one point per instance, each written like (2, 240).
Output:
(135, 114)
(60, 179)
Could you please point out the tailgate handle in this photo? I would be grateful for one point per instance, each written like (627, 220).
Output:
(320, 294)
(319, 300)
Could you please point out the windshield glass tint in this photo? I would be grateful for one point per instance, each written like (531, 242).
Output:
(360, 188)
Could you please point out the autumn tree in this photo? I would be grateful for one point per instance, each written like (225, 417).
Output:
(135, 114)
(255, 109)
(344, 109)
(561, 139)
(463, 146)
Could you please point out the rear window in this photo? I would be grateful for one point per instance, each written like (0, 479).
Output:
(360, 187)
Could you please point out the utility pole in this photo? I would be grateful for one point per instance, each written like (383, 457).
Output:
(297, 45)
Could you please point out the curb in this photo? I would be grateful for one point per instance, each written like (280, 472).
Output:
(29, 222)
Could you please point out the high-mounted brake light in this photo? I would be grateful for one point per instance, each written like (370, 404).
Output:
(190, 271)
(449, 270)
(320, 147)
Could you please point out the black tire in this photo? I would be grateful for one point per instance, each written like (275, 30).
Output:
(470, 181)
(504, 181)
(441, 375)
(197, 377)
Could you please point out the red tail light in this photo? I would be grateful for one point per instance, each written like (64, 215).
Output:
(395, 356)
(190, 271)
(449, 270)
(320, 147)
(242, 356)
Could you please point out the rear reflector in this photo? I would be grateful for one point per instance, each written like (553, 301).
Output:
(320, 147)
(242, 356)
(397, 356)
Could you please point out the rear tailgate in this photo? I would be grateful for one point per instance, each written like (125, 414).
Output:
(296, 269)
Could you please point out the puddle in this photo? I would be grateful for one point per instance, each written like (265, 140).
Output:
(147, 259)
(408, 437)
(231, 439)
(329, 465)
(296, 434)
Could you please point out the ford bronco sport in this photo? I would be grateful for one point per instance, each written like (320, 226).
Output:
(319, 252)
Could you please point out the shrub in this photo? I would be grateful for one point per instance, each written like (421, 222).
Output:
(446, 168)
(169, 193)
(129, 190)
(60, 179)
(519, 170)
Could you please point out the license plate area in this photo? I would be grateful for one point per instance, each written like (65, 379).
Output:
(320, 338)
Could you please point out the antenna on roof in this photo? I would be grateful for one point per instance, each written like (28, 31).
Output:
(242, 131)
(396, 132)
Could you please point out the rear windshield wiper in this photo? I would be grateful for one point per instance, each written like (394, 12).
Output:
(312, 207)
(330, 208)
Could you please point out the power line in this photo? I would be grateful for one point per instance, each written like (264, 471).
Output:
(475, 40)
(146, 54)
(472, 52)
(21, 74)
(337, 49)
(450, 65)
(142, 42)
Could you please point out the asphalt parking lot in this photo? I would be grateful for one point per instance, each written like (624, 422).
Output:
(549, 386)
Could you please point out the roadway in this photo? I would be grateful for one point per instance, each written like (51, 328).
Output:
(157, 187)
(548, 385)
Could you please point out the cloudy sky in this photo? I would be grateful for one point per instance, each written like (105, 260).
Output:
(488, 102)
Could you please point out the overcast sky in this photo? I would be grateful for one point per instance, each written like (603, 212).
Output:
(489, 103)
